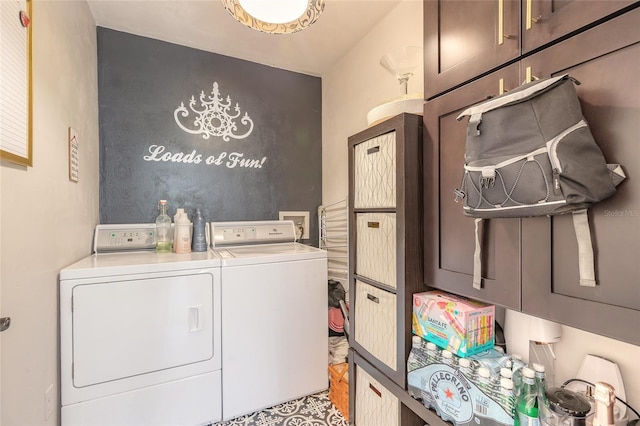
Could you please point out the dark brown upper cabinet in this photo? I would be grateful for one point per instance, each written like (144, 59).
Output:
(464, 39)
(605, 59)
(449, 235)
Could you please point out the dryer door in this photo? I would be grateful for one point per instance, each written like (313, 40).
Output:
(134, 327)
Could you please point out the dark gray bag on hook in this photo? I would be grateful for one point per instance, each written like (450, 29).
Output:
(529, 152)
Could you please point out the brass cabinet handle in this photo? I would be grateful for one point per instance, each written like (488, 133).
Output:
(373, 225)
(528, 76)
(529, 20)
(373, 150)
(501, 88)
(501, 36)
(375, 390)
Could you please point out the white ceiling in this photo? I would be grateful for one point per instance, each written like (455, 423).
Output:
(206, 25)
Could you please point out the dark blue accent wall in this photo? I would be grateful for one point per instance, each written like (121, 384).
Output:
(146, 156)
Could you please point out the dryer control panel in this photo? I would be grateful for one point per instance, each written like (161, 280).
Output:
(124, 237)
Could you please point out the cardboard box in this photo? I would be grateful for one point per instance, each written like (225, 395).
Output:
(460, 325)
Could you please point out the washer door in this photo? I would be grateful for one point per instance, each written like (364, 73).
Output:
(128, 328)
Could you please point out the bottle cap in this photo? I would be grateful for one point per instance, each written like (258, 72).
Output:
(506, 383)
(528, 373)
(506, 372)
(464, 363)
(415, 340)
(538, 368)
(484, 372)
(431, 346)
(447, 354)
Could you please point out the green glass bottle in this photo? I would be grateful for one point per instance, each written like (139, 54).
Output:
(527, 404)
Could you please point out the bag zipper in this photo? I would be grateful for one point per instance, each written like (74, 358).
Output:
(552, 146)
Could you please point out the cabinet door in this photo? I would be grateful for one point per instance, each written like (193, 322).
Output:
(449, 235)
(544, 21)
(605, 60)
(465, 38)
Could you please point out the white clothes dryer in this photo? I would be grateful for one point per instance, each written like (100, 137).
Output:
(140, 335)
(274, 315)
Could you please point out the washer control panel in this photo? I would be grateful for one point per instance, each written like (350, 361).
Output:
(257, 232)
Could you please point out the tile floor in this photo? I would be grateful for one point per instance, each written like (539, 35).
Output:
(312, 410)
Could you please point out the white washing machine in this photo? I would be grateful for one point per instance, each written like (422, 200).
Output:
(140, 334)
(274, 315)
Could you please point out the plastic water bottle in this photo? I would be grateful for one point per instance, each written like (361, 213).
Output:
(199, 240)
(448, 359)
(418, 355)
(163, 229)
(466, 369)
(507, 396)
(433, 354)
(527, 402)
(483, 381)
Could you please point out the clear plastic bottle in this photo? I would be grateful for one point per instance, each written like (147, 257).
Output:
(507, 396)
(516, 370)
(199, 240)
(527, 402)
(466, 369)
(448, 358)
(163, 229)
(418, 354)
(484, 382)
(433, 354)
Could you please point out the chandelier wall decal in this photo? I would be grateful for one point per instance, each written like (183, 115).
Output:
(310, 15)
(213, 117)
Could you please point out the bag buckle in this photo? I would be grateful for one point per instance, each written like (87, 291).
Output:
(488, 177)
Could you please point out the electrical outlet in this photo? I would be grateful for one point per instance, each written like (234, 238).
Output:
(48, 402)
(300, 219)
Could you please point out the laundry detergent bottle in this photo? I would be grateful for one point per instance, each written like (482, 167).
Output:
(181, 232)
(199, 240)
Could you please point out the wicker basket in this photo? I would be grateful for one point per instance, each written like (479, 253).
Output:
(339, 387)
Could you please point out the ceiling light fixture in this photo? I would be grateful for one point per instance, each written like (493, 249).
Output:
(275, 16)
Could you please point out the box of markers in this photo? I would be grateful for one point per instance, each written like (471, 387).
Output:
(460, 325)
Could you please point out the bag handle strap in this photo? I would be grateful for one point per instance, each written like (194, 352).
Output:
(585, 248)
(477, 259)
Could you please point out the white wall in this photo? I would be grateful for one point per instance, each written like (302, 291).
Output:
(46, 220)
(573, 346)
(356, 84)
